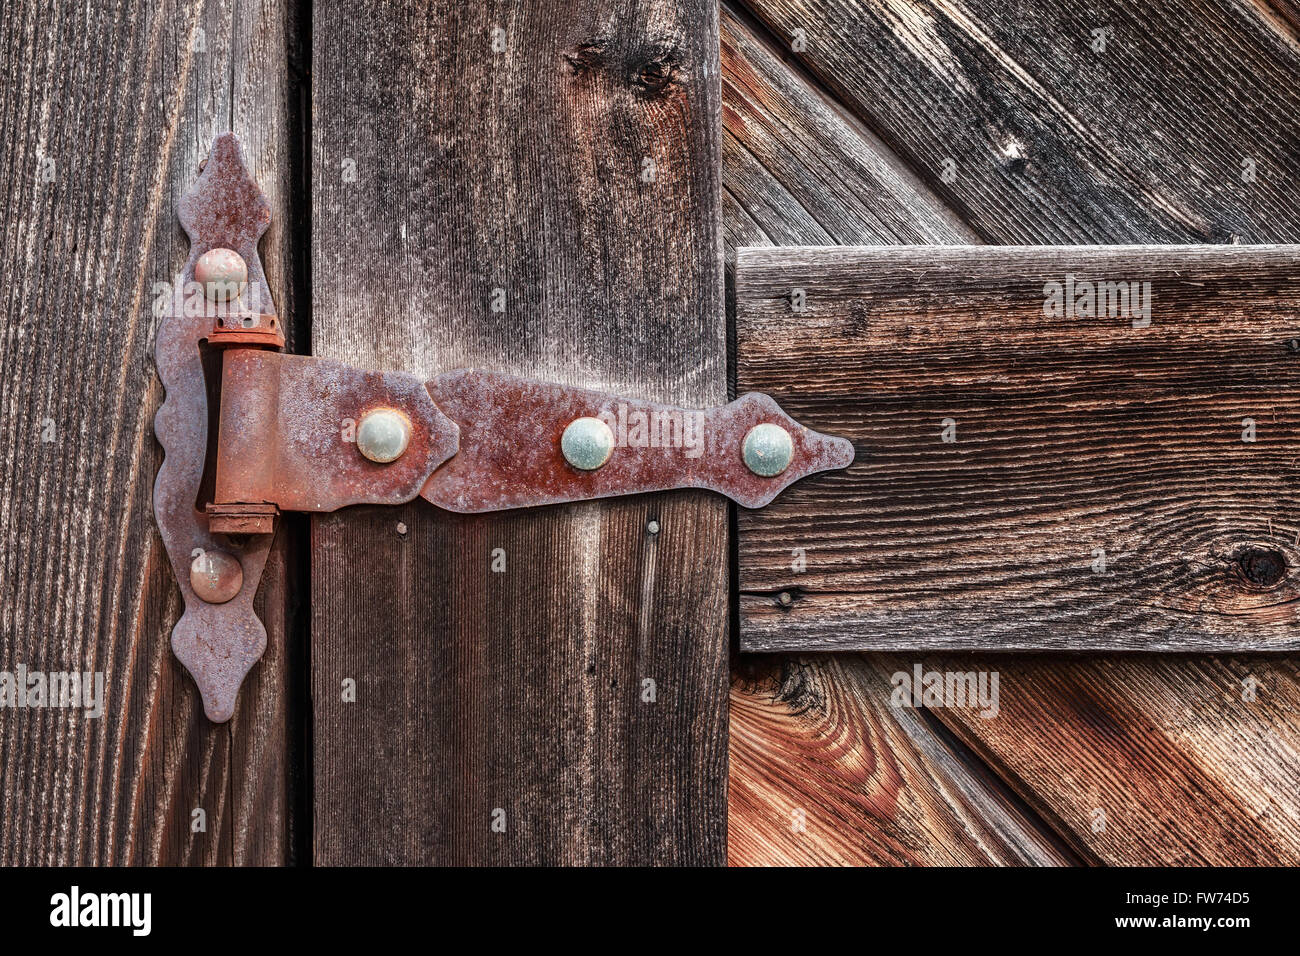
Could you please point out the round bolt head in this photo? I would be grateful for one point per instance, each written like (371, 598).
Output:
(216, 576)
(223, 273)
(383, 435)
(767, 450)
(587, 443)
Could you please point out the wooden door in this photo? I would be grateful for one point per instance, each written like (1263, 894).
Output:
(559, 190)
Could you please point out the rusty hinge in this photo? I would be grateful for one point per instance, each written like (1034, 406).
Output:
(298, 433)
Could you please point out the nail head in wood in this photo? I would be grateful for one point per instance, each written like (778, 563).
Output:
(223, 273)
(216, 576)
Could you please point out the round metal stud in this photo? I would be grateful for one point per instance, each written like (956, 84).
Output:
(587, 443)
(223, 273)
(216, 576)
(383, 435)
(767, 450)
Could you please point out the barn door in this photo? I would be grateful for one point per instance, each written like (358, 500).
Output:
(561, 191)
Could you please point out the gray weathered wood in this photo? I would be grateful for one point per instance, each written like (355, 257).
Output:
(1033, 134)
(897, 792)
(1027, 481)
(575, 169)
(107, 112)
(1189, 759)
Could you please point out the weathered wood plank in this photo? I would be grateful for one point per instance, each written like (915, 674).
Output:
(824, 772)
(1041, 759)
(875, 785)
(1112, 475)
(573, 166)
(1174, 759)
(805, 172)
(107, 112)
(1037, 129)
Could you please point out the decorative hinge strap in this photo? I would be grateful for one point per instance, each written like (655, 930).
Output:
(298, 433)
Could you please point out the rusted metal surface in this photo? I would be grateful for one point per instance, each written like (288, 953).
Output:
(243, 518)
(225, 209)
(468, 441)
(288, 433)
(257, 329)
(217, 643)
(510, 454)
(216, 576)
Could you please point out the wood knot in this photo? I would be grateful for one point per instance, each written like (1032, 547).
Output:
(1261, 567)
(655, 74)
(1015, 155)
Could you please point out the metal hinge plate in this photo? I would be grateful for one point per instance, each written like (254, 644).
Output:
(298, 433)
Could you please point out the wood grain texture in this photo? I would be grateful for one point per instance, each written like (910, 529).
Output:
(1045, 139)
(1102, 485)
(107, 113)
(824, 772)
(1172, 781)
(1180, 760)
(803, 172)
(575, 169)
(876, 785)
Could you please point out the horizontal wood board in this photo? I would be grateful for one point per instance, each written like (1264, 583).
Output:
(1130, 758)
(1026, 480)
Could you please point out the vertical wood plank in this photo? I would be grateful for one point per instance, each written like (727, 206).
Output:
(107, 112)
(531, 188)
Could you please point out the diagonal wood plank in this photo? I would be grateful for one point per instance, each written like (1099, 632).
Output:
(1179, 760)
(824, 772)
(1038, 129)
(1058, 764)
(107, 113)
(534, 189)
(813, 736)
